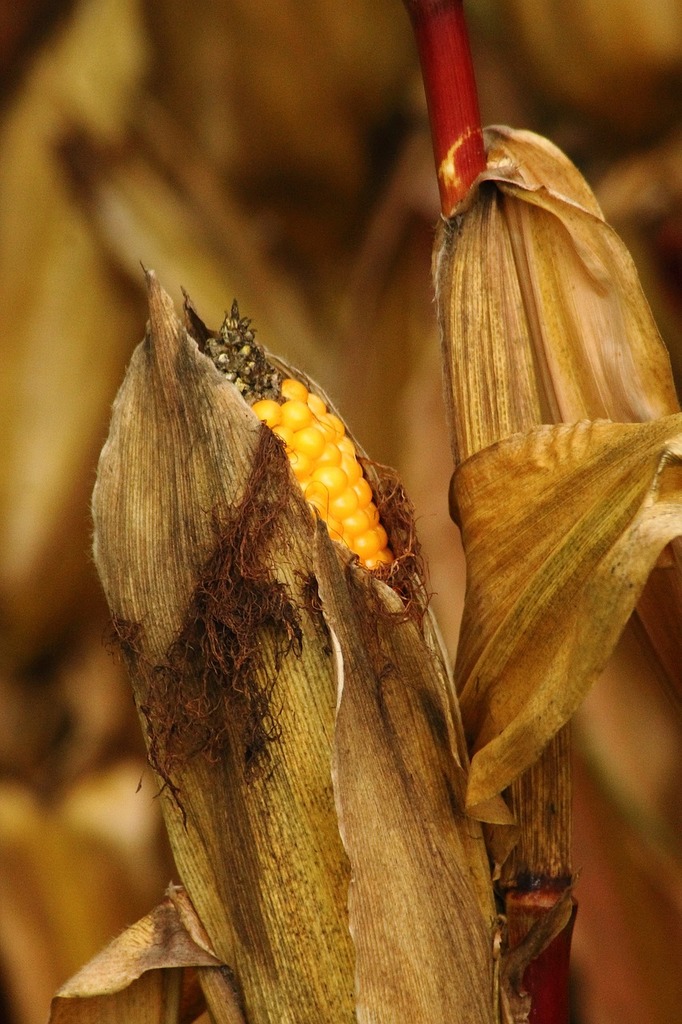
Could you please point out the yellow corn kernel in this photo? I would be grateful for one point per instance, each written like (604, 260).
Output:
(382, 535)
(366, 545)
(294, 390)
(363, 491)
(335, 528)
(319, 501)
(383, 557)
(316, 405)
(296, 414)
(332, 479)
(285, 434)
(344, 504)
(310, 441)
(351, 467)
(331, 456)
(372, 513)
(356, 523)
(268, 411)
(332, 426)
(302, 466)
(324, 462)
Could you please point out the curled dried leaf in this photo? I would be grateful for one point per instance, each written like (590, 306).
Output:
(555, 569)
(142, 975)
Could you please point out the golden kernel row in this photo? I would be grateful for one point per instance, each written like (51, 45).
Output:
(325, 464)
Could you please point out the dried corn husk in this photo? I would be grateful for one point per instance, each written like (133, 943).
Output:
(186, 467)
(542, 313)
(423, 941)
(204, 544)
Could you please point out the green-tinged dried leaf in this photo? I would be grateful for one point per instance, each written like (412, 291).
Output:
(421, 909)
(139, 976)
(203, 541)
(555, 569)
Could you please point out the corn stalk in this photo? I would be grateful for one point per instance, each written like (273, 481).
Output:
(542, 321)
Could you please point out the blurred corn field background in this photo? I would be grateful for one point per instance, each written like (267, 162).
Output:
(280, 153)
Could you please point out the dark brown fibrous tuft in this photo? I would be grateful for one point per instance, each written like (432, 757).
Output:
(406, 575)
(215, 687)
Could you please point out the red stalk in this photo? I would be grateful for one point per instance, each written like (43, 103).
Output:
(447, 70)
(546, 979)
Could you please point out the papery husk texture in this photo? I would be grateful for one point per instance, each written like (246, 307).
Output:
(556, 566)
(420, 905)
(194, 507)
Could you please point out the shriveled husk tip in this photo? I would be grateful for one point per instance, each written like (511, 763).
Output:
(542, 315)
(207, 552)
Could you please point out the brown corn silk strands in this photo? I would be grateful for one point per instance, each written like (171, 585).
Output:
(555, 569)
(258, 848)
(141, 975)
(420, 902)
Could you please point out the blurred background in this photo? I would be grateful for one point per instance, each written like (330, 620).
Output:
(279, 153)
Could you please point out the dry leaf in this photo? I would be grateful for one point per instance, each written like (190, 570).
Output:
(555, 569)
(542, 313)
(139, 976)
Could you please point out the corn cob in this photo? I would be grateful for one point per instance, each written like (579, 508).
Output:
(325, 463)
(323, 458)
